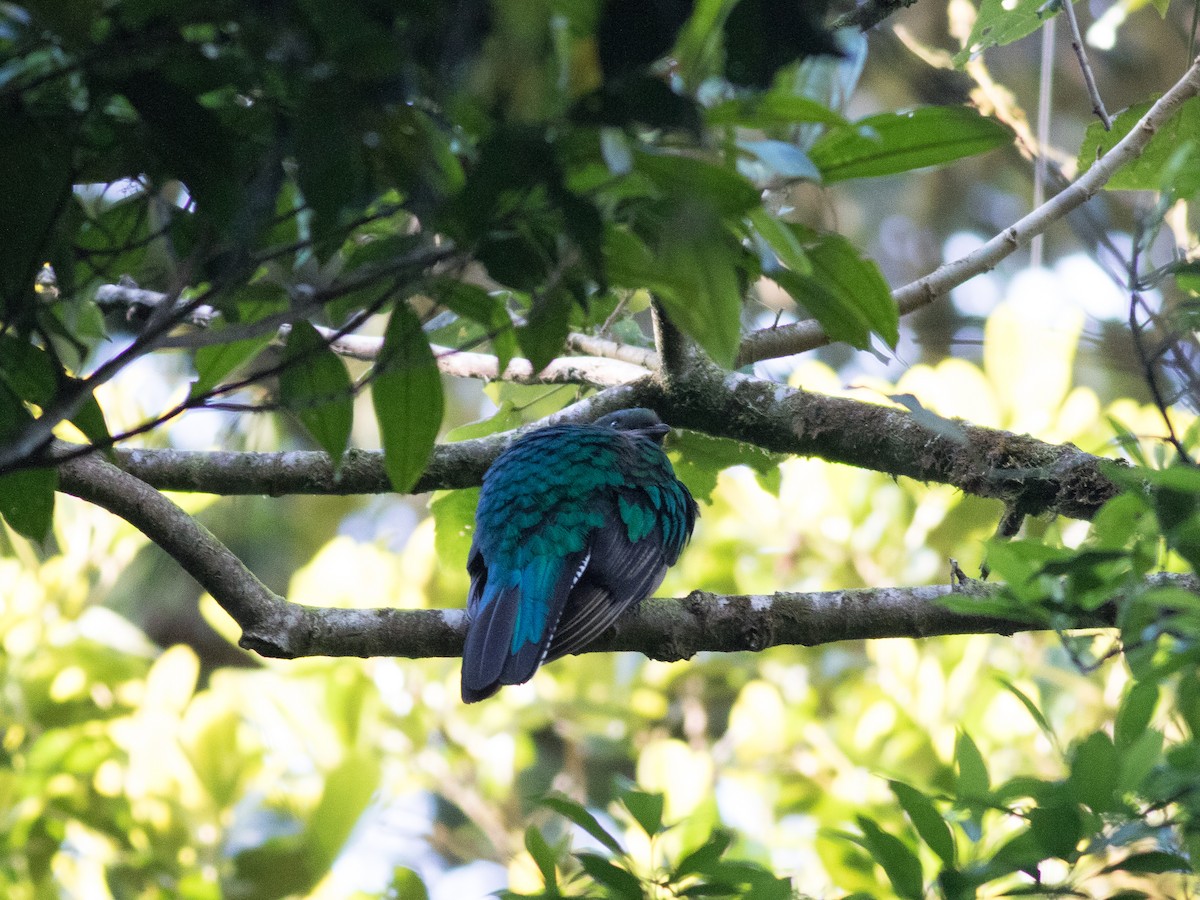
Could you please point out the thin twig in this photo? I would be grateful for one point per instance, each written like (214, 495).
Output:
(1045, 106)
(1081, 54)
(788, 339)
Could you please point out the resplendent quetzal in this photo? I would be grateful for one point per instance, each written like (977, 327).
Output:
(575, 524)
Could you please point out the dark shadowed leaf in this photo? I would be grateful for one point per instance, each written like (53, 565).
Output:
(1152, 862)
(927, 820)
(1094, 772)
(1135, 712)
(646, 809)
(315, 386)
(701, 860)
(407, 393)
(694, 274)
(899, 863)
(27, 501)
(617, 881)
(762, 37)
(572, 811)
(1057, 829)
(545, 332)
(543, 855)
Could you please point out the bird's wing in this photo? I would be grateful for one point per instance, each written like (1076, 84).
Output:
(619, 574)
(514, 617)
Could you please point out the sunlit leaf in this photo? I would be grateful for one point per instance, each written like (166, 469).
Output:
(889, 143)
(1001, 22)
(1159, 166)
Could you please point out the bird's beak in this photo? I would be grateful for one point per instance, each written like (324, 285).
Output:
(656, 432)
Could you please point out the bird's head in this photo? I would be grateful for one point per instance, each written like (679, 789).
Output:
(644, 422)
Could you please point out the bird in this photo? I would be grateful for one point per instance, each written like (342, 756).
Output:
(575, 524)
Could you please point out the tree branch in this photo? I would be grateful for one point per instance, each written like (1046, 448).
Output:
(597, 370)
(1028, 475)
(770, 343)
(666, 629)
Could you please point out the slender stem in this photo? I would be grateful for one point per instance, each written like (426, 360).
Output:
(1081, 54)
(789, 339)
(1045, 105)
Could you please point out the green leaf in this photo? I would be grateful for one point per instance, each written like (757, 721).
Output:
(927, 820)
(1030, 707)
(1135, 712)
(216, 362)
(1159, 167)
(348, 790)
(1095, 770)
(683, 177)
(695, 273)
(646, 809)
(545, 333)
(543, 855)
(1139, 759)
(837, 264)
(407, 393)
(845, 293)
(32, 375)
(899, 863)
(972, 779)
(407, 884)
(704, 857)
(315, 386)
(618, 881)
(888, 143)
(476, 304)
(782, 239)
(1057, 829)
(700, 458)
(454, 525)
(1152, 862)
(771, 110)
(573, 812)
(27, 501)
(1001, 22)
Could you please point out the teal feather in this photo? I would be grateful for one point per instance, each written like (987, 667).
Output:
(575, 524)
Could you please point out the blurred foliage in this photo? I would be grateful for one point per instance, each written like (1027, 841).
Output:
(889, 768)
(493, 175)
(499, 172)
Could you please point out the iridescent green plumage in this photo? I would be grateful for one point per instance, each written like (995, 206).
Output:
(575, 524)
